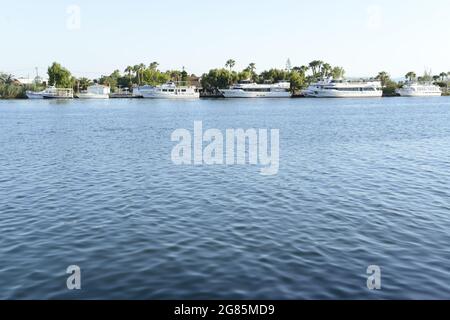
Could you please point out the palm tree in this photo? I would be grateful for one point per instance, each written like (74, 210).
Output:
(313, 66)
(443, 76)
(316, 67)
(411, 76)
(383, 77)
(154, 65)
(251, 67)
(326, 70)
(230, 64)
(129, 70)
(302, 69)
(136, 72)
(83, 83)
(320, 66)
(175, 75)
(6, 78)
(141, 71)
(337, 73)
(3, 77)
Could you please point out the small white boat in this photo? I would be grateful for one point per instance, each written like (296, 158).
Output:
(59, 93)
(169, 90)
(95, 92)
(344, 89)
(40, 94)
(249, 89)
(419, 90)
(34, 95)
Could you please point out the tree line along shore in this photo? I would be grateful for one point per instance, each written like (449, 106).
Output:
(209, 83)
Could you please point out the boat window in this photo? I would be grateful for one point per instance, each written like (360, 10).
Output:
(257, 89)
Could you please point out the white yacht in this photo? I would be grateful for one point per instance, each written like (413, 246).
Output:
(419, 90)
(249, 89)
(169, 90)
(344, 89)
(40, 94)
(95, 92)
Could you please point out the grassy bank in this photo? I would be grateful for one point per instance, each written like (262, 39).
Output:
(11, 91)
(15, 91)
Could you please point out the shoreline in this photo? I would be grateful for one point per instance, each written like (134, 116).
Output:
(221, 97)
(211, 97)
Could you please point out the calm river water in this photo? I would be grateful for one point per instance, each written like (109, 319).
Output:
(91, 183)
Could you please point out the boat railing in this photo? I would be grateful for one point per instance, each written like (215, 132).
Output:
(64, 92)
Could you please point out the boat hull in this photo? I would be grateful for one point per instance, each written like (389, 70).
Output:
(34, 95)
(122, 96)
(410, 94)
(343, 94)
(92, 96)
(57, 97)
(227, 93)
(158, 95)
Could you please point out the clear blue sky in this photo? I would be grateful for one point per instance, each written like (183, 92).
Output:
(362, 36)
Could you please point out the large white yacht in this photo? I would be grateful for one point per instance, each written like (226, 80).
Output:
(249, 89)
(414, 89)
(95, 92)
(169, 90)
(344, 89)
